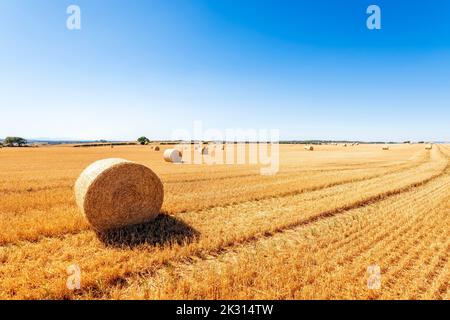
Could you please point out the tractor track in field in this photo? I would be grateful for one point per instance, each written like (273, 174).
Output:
(399, 252)
(257, 199)
(248, 240)
(244, 241)
(254, 199)
(287, 172)
(404, 165)
(298, 191)
(376, 237)
(422, 158)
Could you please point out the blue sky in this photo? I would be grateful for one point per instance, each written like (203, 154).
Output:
(311, 69)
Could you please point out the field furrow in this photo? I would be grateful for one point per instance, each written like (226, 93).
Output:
(68, 220)
(313, 270)
(309, 232)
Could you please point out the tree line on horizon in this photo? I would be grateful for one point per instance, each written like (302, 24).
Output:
(21, 142)
(14, 142)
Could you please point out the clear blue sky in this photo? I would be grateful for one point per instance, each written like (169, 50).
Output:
(309, 68)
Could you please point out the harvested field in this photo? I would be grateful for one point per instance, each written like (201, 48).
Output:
(225, 232)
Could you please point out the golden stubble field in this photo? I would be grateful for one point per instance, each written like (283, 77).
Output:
(309, 232)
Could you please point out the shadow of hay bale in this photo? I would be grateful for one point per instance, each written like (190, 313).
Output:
(165, 230)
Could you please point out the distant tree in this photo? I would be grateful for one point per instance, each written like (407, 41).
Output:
(143, 140)
(14, 141)
(407, 142)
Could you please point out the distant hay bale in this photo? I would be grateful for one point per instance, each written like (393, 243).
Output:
(385, 147)
(114, 193)
(344, 144)
(173, 155)
(309, 148)
(204, 150)
(156, 148)
(429, 147)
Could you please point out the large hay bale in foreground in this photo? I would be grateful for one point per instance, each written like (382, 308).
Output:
(114, 193)
(173, 155)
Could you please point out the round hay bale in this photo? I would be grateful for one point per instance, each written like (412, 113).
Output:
(173, 155)
(429, 147)
(156, 148)
(204, 150)
(309, 148)
(385, 148)
(114, 193)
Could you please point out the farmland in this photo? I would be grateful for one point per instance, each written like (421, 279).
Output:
(225, 231)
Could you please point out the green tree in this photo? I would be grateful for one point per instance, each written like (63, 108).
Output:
(14, 141)
(143, 140)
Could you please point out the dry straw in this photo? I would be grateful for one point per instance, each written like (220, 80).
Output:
(173, 155)
(114, 193)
